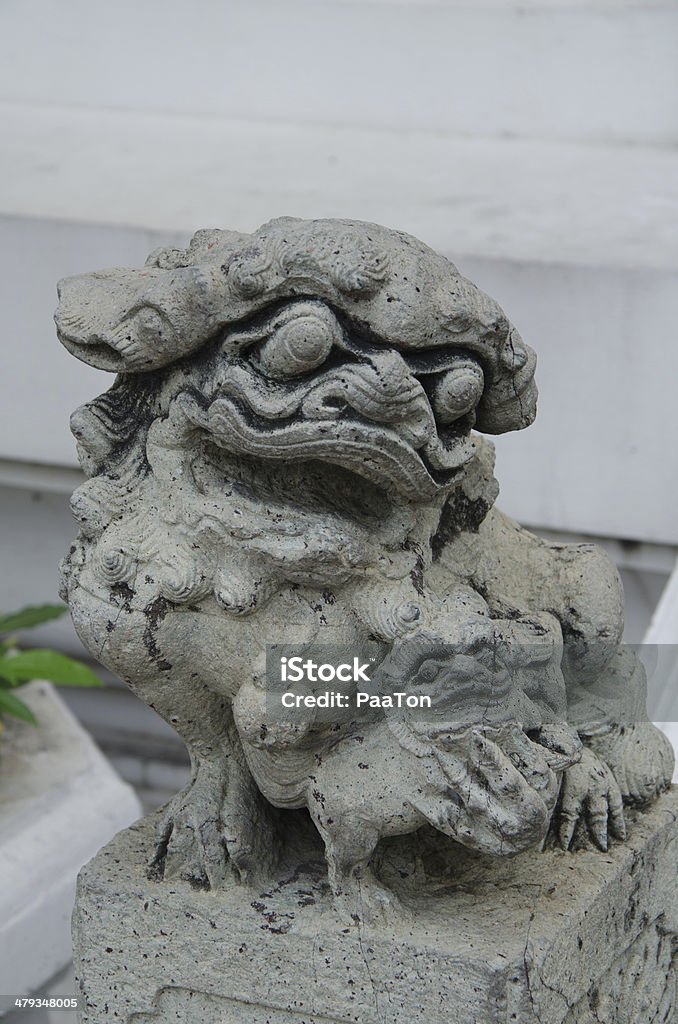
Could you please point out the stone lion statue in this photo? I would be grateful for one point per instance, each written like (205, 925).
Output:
(291, 454)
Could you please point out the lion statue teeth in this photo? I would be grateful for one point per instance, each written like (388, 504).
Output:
(291, 454)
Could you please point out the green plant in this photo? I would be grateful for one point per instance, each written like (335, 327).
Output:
(18, 667)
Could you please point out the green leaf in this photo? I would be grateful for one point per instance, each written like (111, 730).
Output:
(11, 705)
(38, 664)
(32, 616)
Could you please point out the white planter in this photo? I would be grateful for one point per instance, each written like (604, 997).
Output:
(60, 801)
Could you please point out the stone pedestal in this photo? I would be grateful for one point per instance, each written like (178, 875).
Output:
(545, 938)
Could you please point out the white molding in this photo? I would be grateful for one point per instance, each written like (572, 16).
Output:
(518, 6)
(504, 69)
(663, 628)
(169, 172)
(663, 632)
(626, 554)
(37, 476)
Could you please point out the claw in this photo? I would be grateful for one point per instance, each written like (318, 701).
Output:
(366, 903)
(640, 758)
(597, 824)
(568, 823)
(617, 825)
(198, 855)
(590, 793)
(190, 843)
(615, 817)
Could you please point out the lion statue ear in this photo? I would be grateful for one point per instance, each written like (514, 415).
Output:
(206, 244)
(509, 402)
(168, 259)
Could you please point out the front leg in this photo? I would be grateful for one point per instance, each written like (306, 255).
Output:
(610, 716)
(640, 757)
(357, 895)
(220, 817)
(590, 801)
(190, 838)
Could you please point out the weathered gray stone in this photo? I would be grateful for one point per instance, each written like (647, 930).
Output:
(286, 464)
(545, 938)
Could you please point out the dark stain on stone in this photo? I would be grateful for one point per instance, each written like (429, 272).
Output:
(461, 514)
(122, 595)
(417, 573)
(155, 612)
(570, 631)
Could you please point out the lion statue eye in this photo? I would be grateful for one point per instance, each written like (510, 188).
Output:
(298, 346)
(457, 392)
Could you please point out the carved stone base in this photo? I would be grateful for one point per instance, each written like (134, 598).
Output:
(545, 938)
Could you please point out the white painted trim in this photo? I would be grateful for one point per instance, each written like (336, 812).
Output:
(612, 6)
(663, 628)
(626, 554)
(37, 476)
(491, 198)
(458, 68)
(663, 632)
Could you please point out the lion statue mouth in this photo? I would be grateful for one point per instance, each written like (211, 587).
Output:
(298, 387)
(301, 385)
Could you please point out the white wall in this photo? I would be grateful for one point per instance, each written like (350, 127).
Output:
(596, 71)
(534, 142)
